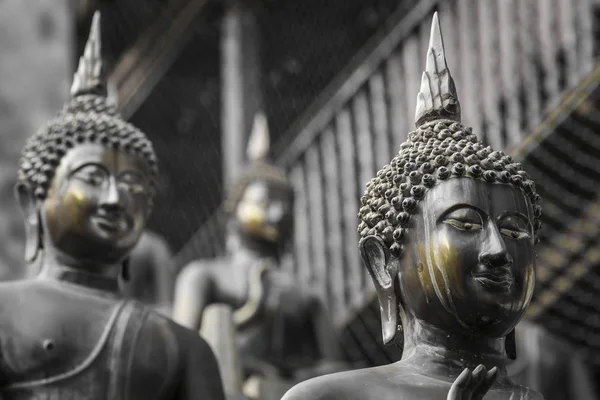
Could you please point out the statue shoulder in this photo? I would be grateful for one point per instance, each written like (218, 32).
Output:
(347, 385)
(198, 270)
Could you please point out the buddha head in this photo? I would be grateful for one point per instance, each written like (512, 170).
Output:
(448, 227)
(86, 179)
(260, 203)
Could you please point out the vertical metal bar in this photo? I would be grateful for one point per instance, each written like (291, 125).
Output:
(241, 88)
(396, 102)
(526, 18)
(568, 41)
(489, 62)
(317, 216)
(364, 140)
(366, 163)
(350, 205)
(509, 70)
(450, 27)
(302, 250)
(547, 40)
(469, 54)
(335, 243)
(410, 56)
(586, 36)
(379, 120)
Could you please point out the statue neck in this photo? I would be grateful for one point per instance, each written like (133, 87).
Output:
(444, 355)
(88, 274)
(239, 245)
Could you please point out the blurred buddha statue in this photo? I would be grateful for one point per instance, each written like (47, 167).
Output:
(150, 273)
(85, 185)
(281, 332)
(447, 229)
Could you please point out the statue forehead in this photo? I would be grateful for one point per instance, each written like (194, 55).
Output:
(492, 198)
(114, 160)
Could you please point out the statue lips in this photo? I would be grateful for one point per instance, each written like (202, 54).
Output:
(112, 222)
(496, 279)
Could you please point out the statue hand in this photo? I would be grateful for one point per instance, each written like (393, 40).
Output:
(472, 386)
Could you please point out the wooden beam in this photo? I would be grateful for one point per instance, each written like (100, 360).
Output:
(142, 66)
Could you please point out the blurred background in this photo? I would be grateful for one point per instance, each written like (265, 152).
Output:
(337, 81)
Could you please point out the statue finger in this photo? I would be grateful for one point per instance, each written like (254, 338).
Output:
(488, 381)
(458, 386)
(478, 377)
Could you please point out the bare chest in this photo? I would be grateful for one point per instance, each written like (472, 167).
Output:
(51, 335)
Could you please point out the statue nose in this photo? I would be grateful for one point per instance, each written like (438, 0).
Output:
(496, 259)
(495, 254)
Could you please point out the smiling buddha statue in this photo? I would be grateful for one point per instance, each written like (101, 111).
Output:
(448, 230)
(85, 185)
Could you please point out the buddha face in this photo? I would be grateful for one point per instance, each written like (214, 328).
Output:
(97, 204)
(469, 261)
(265, 211)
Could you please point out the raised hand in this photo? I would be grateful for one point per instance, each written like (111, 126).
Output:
(472, 385)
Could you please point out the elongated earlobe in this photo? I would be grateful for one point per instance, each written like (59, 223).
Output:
(33, 228)
(510, 345)
(125, 273)
(376, 256)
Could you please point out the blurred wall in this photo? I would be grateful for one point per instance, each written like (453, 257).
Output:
(35, 69)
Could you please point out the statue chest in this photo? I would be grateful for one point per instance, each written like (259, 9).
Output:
(45, 333)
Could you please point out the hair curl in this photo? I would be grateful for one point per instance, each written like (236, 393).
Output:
(85, 119)
(436, 151)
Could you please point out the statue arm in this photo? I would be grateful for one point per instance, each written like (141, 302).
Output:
(192, 295)
(163, 269)
(200, 377)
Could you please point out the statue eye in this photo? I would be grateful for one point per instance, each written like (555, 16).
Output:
(514, 227)
(466, 219)
(463, 225)
(132, 182)
(518, 235)
(91, 174)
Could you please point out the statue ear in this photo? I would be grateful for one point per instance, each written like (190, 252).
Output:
(376, 257)
(510, 345)
(33, 229)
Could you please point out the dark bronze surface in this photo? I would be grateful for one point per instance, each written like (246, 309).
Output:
(85, 188)
(448, 232)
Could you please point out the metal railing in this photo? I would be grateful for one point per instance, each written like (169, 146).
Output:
(511, 61)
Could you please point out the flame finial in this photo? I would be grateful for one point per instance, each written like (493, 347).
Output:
(259, 142)
(89, 77)
(437, 98)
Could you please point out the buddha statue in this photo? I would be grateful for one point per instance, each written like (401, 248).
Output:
(448, 230)
(282, 332)
(85, 186)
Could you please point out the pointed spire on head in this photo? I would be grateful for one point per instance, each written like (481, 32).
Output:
(437, 98)
(89, 78)
(259, 142)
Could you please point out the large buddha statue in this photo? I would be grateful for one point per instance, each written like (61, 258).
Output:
(85, 185)
(282, 332)
(448, 230)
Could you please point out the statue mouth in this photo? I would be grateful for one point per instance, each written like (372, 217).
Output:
(496, 280)
(111, 223)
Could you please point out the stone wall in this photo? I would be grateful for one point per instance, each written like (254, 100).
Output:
(35, 68)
